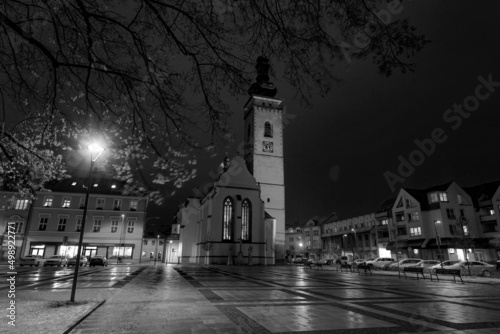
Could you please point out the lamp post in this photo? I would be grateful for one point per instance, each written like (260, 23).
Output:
(169, 250)
(355, 244)
(156, 250)
(93, 148)
(438, 242)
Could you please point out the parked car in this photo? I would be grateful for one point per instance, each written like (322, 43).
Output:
(98, 260)
(32, 260)
(399, 265)
(476, 267)
(445, 264)
(83, 261)
(56, 260)
(361, 261)
(379, 262)
(426, 264)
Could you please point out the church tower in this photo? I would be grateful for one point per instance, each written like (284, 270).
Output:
(263, 136)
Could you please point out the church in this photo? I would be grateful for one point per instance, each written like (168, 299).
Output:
(240, 219)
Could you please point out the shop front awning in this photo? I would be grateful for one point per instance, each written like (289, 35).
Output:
(403, 244)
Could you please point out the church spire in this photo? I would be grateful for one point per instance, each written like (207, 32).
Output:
(263, 86)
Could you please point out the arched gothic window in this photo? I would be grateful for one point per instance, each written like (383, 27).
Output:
(268, 130)
(246, 219)
(227, 232)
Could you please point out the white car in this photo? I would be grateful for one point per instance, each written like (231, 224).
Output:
(401, 264)
(445, 264)
(427, 264)
(56, 260)
(379, 262)
(32, 260)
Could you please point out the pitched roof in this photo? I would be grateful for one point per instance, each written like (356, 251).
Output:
(387, 205)
(100, 183)
(486, 189)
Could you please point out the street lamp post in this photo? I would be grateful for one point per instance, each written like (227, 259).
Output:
(438, 242)
(98, 150)
(355, 244)
(122, 234)
(156, 250)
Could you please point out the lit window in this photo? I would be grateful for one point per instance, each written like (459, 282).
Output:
(62, 224)
(73, 184)
(451, 250)
(42, 226)
(21, 204)
(133, 205)
(434, 198)
(97, 224)
(227, 219)
(385, 221)
(459, 199)
(414, 231)
(443, 197)
(48, 202)
(66, 202)
(245, 220)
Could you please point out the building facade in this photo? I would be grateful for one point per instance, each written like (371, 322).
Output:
(113, 226)
(14, 216)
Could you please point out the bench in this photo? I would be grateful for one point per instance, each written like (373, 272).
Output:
(364, 267)
(454, 272)
(417, 270)
(345, 266)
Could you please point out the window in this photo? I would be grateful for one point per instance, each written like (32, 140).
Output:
(82, 203)
(245, 220)
(400, 216)
(316, 244)
(21, 204)
(401, 230)
(97, 224)
(100, 204)
(450, 213)
(133, 205)
(78, 226)
(117, 203)
(42, 226)
(48, 201)
(145, 242)
(385, 221)
(114, 224)
(315, 232)
(308, 233)
(459, 199)
(268, 130)
(409, 203)
(227, 233)
(443, 197)
(61, 226)
(131, 225)
(414, 216)
(454, 229)
(290, 239)
(434, 198)
(414, 231)
(18, 226)
(66, 202)
(153, 242)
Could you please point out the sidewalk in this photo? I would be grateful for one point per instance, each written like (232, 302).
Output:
(157, 300)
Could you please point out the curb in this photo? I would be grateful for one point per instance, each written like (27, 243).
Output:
(89, 312)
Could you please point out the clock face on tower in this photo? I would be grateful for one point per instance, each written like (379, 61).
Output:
(267, 146)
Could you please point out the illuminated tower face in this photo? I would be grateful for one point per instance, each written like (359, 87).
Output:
(264, 150)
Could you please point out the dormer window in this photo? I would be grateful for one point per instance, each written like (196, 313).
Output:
(48, 201)
(100, 204)
(66, 202)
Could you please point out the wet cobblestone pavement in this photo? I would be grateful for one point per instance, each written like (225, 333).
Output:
(287, 299)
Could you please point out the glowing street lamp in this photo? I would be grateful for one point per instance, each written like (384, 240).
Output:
(95, 151)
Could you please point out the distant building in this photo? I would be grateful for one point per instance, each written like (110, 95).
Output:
(113, 226)
(14, 212)
(294, 244)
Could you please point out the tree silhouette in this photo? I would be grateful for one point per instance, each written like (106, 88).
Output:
(147, 77)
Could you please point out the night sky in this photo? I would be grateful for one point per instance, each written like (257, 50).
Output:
(336, 153)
